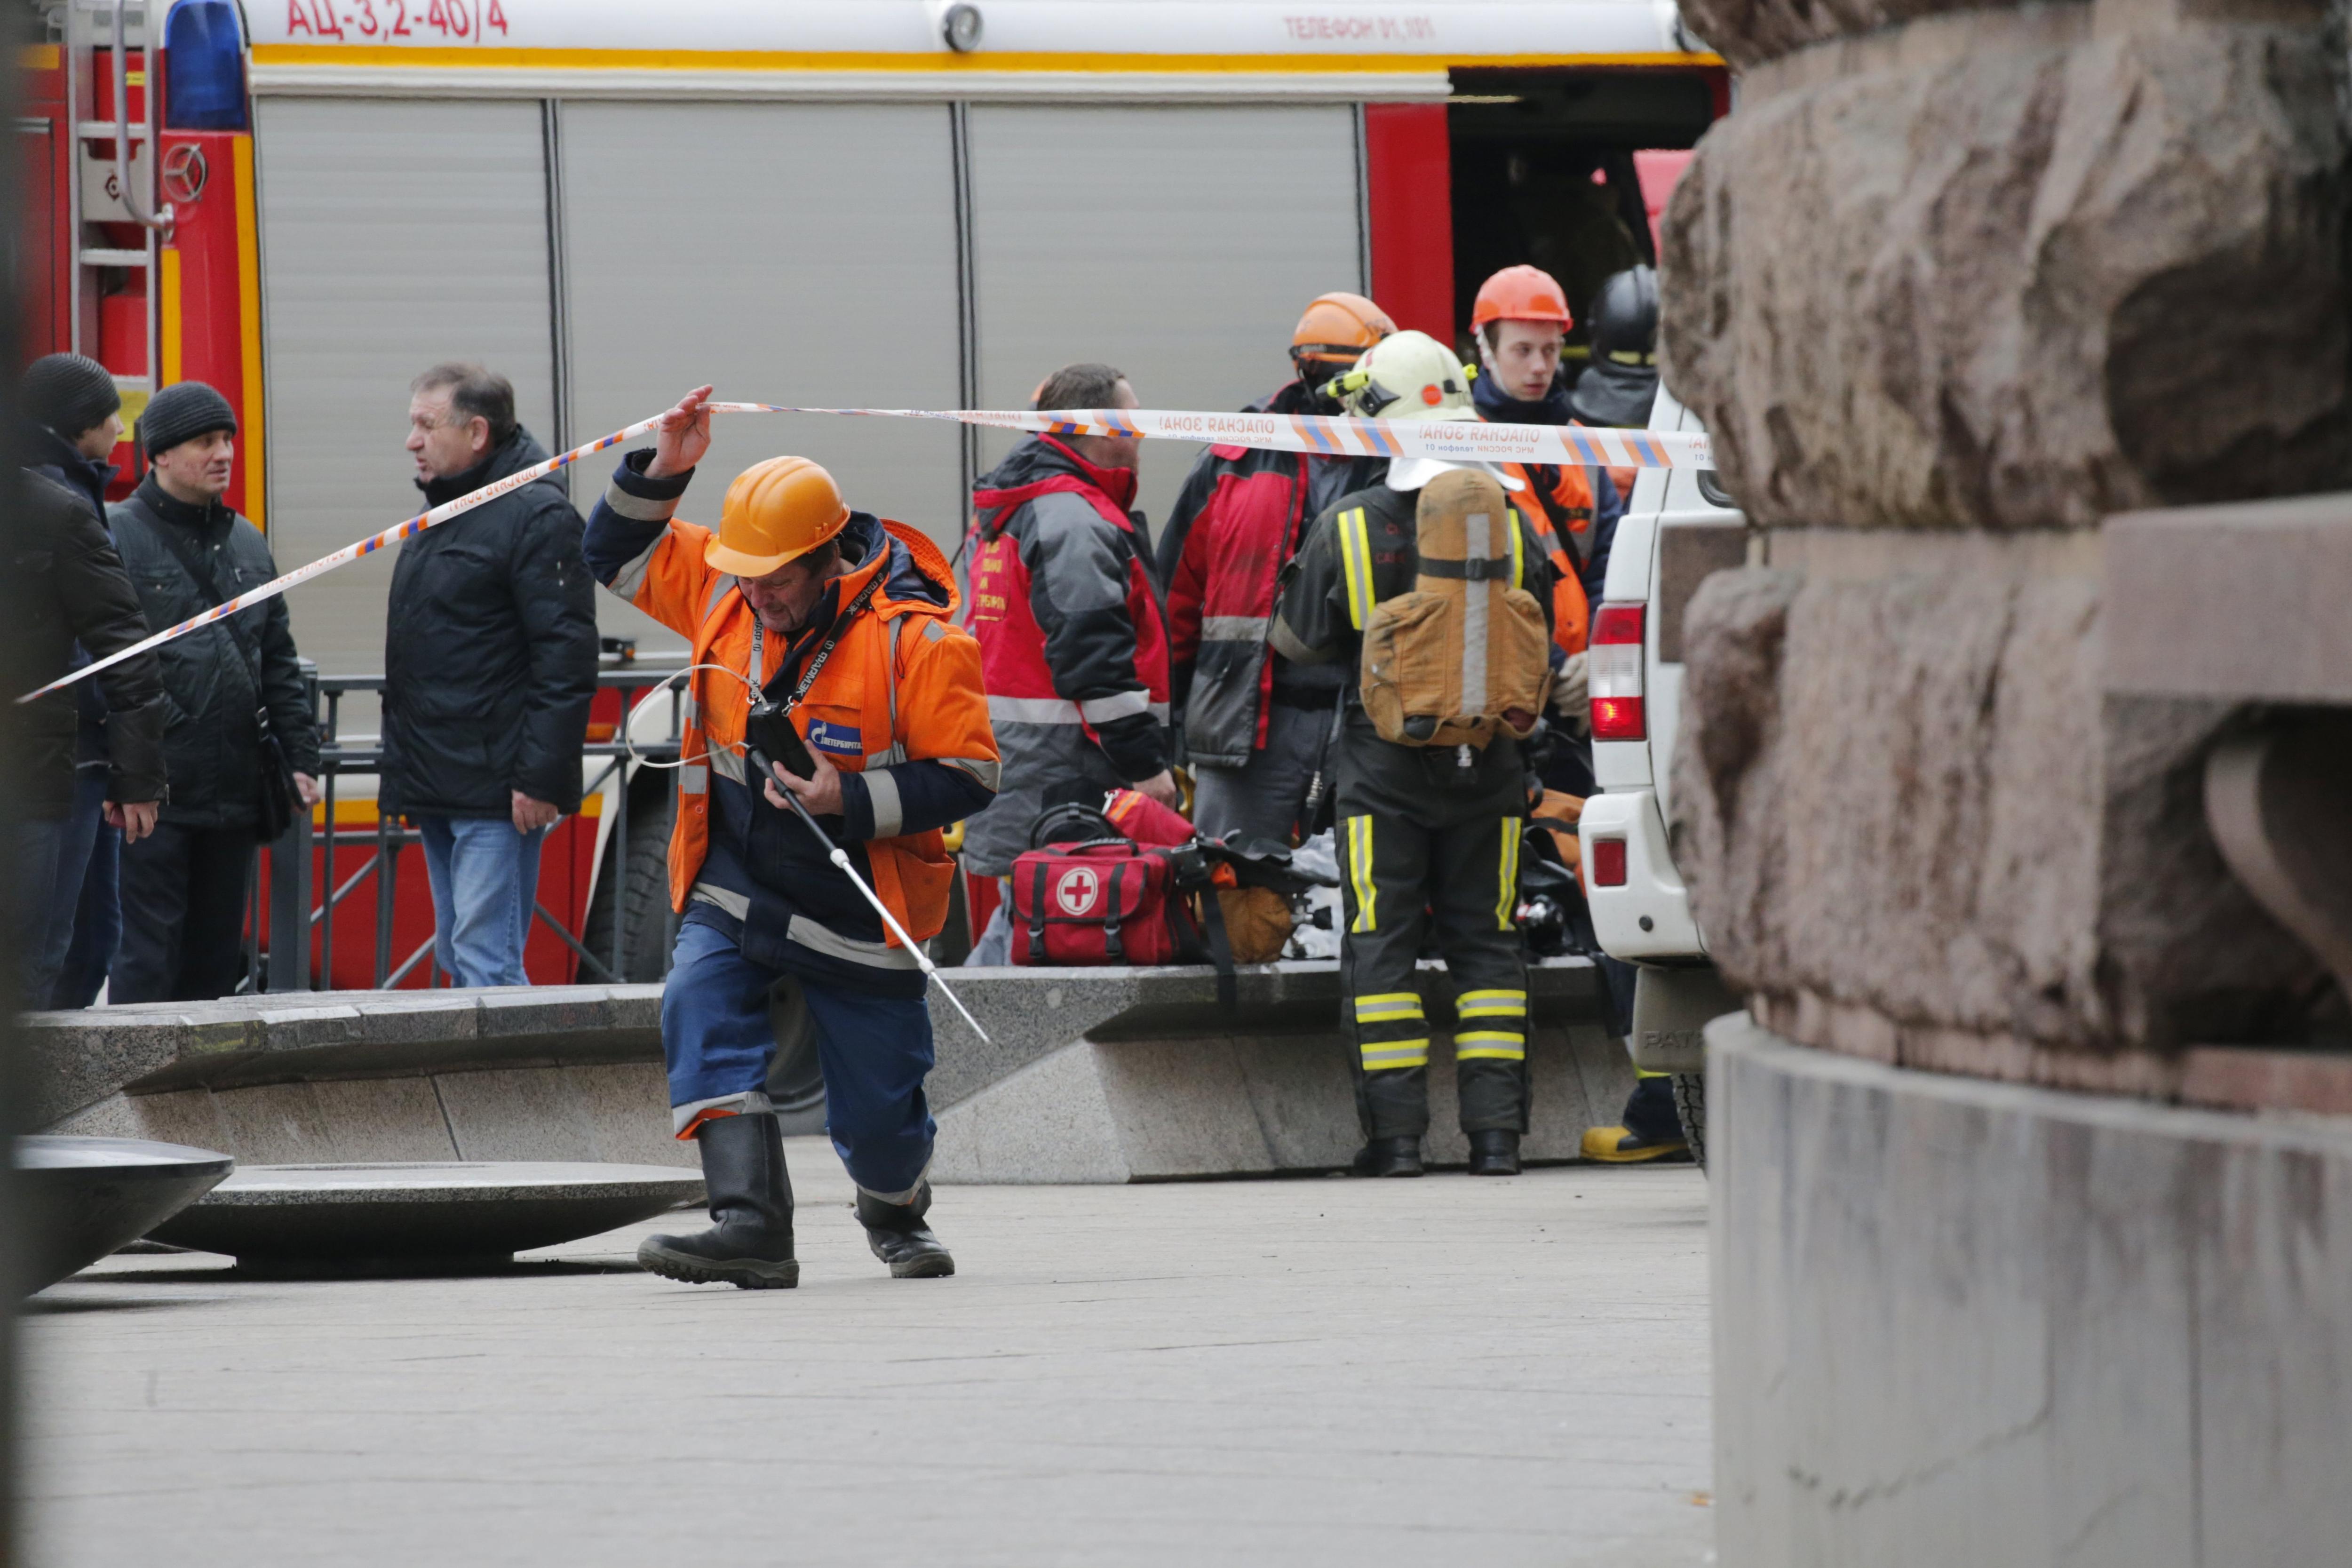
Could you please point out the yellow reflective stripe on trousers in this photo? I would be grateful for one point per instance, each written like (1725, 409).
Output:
(1506, 895)
(1490, 1044)
(1483, 1005)
(1390, 1054)
(1389, 1007)
(1355, 563)
(1490, 1005)
(1360, 872)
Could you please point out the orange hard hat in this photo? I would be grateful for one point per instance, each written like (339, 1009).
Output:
(1521, 294)
(776, 511)
(1337, 327)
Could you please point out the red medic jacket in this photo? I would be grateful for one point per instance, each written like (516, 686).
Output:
(1237, 523)
(1072, 644)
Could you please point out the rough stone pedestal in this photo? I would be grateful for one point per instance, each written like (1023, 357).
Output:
(1963, 1323)
(1165, 1084)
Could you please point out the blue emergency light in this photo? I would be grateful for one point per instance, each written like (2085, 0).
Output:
(206, 55)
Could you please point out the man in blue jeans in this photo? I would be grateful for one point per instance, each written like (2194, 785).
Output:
(489, 663)
(485, 876)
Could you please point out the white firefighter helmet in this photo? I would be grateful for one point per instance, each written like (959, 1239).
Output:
(1412, 376)
(1407, 375)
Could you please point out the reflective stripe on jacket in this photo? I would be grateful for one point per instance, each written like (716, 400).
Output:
(1071, 641)
(902, 686)
(1558, 505)
(1235, 525)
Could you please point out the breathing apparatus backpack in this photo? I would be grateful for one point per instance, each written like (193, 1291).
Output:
(1464, 656)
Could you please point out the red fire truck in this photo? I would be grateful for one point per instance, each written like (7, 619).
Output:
(897, 202)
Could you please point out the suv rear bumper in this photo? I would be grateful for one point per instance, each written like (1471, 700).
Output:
(1652, 893)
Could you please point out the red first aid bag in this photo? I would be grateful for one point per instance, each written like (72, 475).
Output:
(1107, 901)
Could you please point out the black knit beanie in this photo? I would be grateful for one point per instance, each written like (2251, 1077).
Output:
(68, 393)
(182, 413)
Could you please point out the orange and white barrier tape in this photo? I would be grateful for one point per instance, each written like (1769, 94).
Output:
(1337, 436)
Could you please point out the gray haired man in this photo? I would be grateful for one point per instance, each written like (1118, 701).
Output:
(489, 663)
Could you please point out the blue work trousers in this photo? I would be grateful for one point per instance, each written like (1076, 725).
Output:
(485, 879)
(719, 1044)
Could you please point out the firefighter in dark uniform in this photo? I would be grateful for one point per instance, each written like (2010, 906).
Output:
(1428, 835)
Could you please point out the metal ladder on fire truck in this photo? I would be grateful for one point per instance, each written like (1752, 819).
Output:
(113, 180)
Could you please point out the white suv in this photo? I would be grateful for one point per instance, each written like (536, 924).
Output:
(1678, 527)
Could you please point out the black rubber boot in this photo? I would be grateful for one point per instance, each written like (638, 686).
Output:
(749, 1244)
(1495, 1152)
(897, 1234)
(1388, 1157)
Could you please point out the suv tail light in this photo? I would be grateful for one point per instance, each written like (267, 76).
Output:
(1608, 862)
(1612, 669)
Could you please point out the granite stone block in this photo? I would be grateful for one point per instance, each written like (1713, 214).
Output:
(1945, 288)
(1049, 1122)
(1914, 823)
(518, 1113)
(1302, 1096)
(1182, 1108)
(1218, 1104)
(628, 1109)
(378, 1119)
(1027, 1014)
(326, 1021)
(1960, 1323)
(276, 1124)
(438, 1017)
(182, 1116)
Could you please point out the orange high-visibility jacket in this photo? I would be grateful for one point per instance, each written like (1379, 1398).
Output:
(905, 680)
(1557, 501)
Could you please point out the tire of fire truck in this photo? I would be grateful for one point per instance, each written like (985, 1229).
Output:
(1690, 1110)
(634, 888)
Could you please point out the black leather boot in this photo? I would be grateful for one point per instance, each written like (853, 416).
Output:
(749, 1244)
(897, 1234)
(1495, 1152)
(1388, 1157)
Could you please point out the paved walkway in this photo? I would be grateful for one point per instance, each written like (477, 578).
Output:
(1296, 1373)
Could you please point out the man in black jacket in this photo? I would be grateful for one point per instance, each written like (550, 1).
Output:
(68, 595)
(489, 661)
(73, 421)
(232, 689)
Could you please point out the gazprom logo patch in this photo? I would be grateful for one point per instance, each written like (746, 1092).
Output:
(839, 739)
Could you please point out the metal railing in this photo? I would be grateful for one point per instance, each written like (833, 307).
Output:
(295, 914)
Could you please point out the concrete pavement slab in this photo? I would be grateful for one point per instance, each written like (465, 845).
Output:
(1302, 1371)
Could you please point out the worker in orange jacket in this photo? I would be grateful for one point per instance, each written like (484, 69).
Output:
(849, 620)
(1521, 320)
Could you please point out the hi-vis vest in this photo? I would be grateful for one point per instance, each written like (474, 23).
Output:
(1464, 655)
(904, 683)
(1560, 506)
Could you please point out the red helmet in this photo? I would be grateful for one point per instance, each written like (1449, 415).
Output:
(1521, 294)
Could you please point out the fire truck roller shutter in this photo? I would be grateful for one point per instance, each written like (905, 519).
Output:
(819, 248)
(1177, 243)
(395, 233)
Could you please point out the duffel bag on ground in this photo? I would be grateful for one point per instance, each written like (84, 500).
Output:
(1109, 901)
